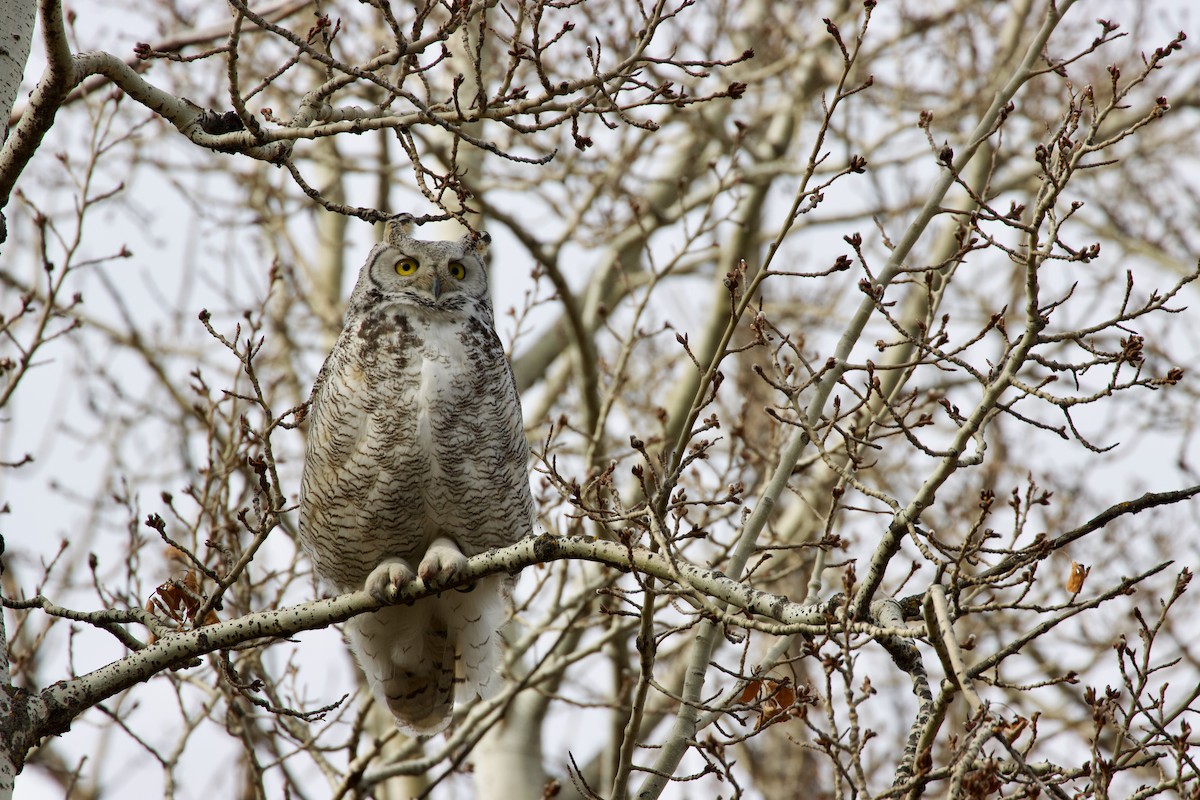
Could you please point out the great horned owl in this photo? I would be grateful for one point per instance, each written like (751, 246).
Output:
(417, 458)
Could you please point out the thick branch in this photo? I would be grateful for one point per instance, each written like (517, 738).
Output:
(57, 80)
(52, 711)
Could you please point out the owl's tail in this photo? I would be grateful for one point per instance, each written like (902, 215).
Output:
(477, 617)
(409, 653)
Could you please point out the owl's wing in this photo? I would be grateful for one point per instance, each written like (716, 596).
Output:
(332, 495)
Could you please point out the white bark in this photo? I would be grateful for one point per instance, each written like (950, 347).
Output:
(508, 759)
(16, 23)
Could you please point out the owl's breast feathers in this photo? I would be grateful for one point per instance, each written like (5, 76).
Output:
(415, 432)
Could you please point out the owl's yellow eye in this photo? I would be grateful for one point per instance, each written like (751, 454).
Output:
(457, 270)
(406, 266)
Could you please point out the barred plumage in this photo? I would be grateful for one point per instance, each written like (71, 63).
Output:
(416, 460)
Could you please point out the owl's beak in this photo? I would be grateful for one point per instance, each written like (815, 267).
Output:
(436, 287)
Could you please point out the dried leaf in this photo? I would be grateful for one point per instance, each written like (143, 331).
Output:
(785, 695)
(1078, 575)
(1012, 730)
(750, 693)
(180, 600)
(153, 637)
(781, 696)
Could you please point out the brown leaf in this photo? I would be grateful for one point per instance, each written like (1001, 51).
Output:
(1078, 575)
(180, 600)
(1012, 730)
(781, 696)
(785, 695)
(750, 692)
(153, 637)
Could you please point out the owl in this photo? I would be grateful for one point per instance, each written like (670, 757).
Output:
(416, 459)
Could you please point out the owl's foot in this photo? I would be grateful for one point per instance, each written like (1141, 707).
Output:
(386, 579)
(443, 561)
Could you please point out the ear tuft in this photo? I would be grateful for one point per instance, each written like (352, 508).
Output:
(479, 241)
(398, 227)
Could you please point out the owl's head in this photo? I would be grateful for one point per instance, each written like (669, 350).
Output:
(445, 275)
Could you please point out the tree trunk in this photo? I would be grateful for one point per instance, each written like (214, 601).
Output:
(16, 21)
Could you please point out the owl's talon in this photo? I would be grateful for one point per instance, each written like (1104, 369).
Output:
(443, 562)
(385, 580)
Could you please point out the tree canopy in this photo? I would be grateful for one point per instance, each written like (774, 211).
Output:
(853, 341)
